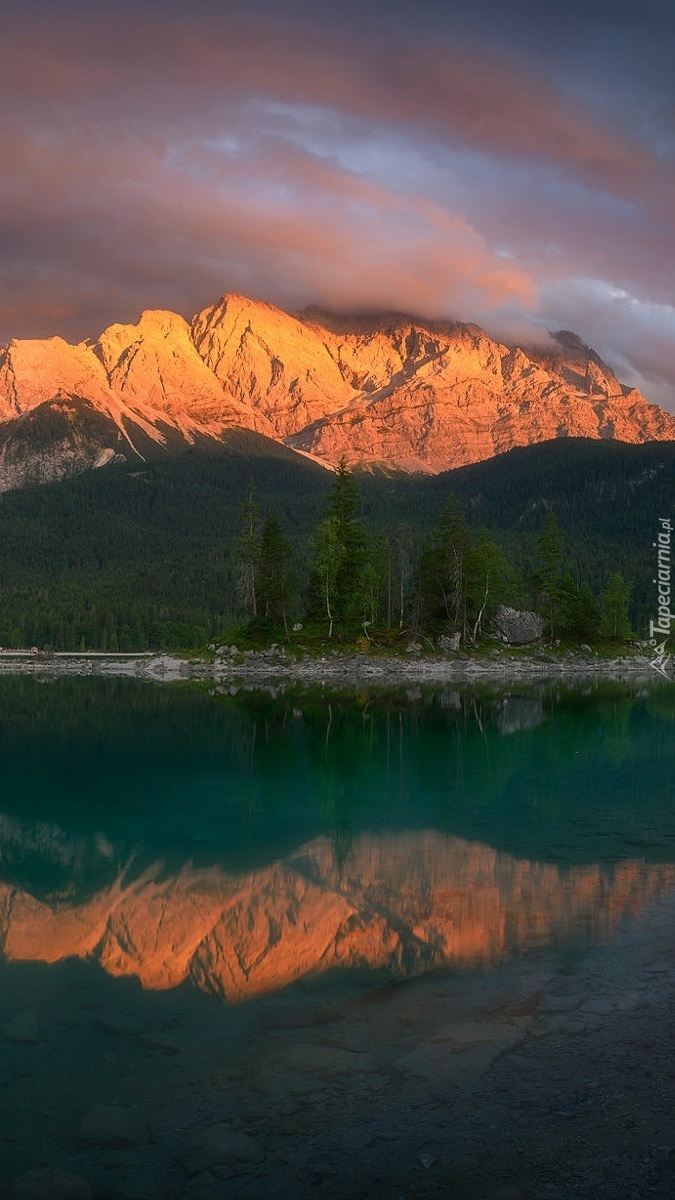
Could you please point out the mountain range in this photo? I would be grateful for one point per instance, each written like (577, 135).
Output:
(381, 391)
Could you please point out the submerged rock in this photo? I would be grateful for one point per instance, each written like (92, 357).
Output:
(219, 1145)
(50, 1185)
(113, 1125)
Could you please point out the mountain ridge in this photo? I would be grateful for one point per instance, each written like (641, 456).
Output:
(379, 390)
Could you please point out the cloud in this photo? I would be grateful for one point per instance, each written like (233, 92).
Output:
(270, 218)
(159, 163)
(179, 73)
(636, 337)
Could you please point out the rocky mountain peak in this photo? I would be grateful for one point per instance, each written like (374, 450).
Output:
(386, 388)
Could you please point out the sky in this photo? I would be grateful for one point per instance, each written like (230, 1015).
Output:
(507, 163)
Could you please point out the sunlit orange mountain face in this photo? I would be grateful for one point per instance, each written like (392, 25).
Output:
(400, 904)
(383, 390)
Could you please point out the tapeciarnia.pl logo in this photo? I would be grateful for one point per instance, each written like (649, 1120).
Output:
(662, 623)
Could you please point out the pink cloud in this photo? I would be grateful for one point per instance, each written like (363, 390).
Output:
(163, 73)
(316, 232)
(141, 168)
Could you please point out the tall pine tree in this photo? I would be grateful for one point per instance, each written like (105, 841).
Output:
(340, 554)
(444, 570)
(247, 554)
(548, 574)
(275, 573)
(615, 622)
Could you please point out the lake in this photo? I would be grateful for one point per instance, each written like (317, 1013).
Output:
(407, 944)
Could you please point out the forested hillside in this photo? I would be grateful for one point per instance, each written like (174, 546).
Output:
(151, 555)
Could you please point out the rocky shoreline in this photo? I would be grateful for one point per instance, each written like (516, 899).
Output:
(275, 668)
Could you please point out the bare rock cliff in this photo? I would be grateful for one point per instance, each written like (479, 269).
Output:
(378, 390)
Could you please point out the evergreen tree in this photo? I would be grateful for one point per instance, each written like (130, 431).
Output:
(589, 613)
(247, 554)
(446, 568)
(548, 574)
(578, 613)
(275, 578)
(340, 553)
(385, 553)
(615, 622)
(342, 509)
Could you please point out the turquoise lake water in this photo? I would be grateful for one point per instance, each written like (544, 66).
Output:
(173, 861)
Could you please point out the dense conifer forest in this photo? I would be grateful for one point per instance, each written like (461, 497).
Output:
(174, 553)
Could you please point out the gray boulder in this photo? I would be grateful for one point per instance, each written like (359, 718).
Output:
(517, 628)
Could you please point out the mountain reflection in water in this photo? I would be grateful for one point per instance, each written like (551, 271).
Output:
(242, 843)
(401, 904)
